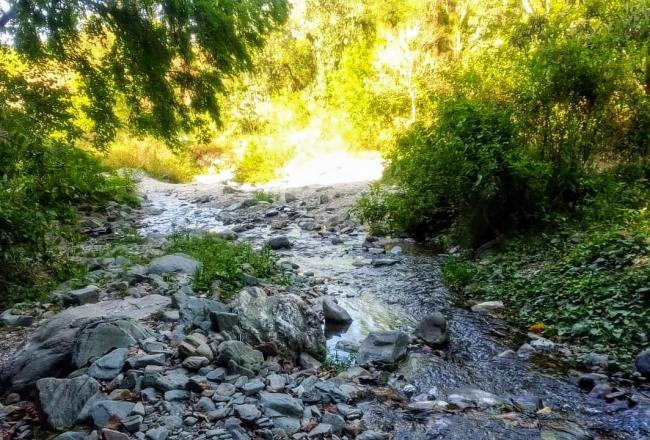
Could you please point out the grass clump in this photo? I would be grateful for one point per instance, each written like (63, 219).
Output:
(224, 261)
(587, 281)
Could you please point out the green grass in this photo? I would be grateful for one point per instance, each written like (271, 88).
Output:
(224, 261)
(263, 196)
(587, 280)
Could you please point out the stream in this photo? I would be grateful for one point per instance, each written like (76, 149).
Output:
(396, 297)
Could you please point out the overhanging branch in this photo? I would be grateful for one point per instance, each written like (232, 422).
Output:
(7, 17)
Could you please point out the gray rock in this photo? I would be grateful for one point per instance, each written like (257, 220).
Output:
(432, 329)
(10, 319)
(334, 312)
(195, 362)
(285, 411)
(175, 263)
(49, 349)
(276, 383)
(253, 387)
(176, 395)
(219, 414)
(195, 345)
(489, 307)
(63, 399)
(86, 295)
(227, 235)
(104, 410)
(110, 365)
(383, 348)
(642, 363)
(159, 433)
(473, 398)
(277, 243)
(372, 435)
(111, 434)
(248, 412)
(72, 435)
(335, 421)
(194, 311)
(320, 430)
(146, 359)
(97, 337)
(379, 262)
(308, 362)
(205, 404)
(223, 321)
(239, 357)
(285, 319)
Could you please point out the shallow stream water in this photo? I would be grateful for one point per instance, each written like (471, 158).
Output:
(395, 297)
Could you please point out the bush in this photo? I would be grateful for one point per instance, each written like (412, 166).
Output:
(42, 182)
(223, 261)
(467, 172)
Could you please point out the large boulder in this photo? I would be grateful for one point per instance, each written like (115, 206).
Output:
(175, 263)
(49, 350)
(284, 319)
(385, 348)
(63, 399)
(432, 329)
(334, 312)
(240, 358)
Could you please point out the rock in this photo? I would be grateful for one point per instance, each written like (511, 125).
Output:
(334, 312)
(104, 410)
(308, 362)
(253, 387)
(10, 319)
(432, 329)
(195, 362)
(383, 348)
(205, 404)
(63, 399)
(542, 344)
(97, 337)
(133, 423)
(240, 358)
(489, 307)
(320, 430)
(72, 435)
(642, 363)
(285, 411)
(176, 395)
(227, 235)
(87, 295)
(195, 345)
(175, 263)
(110, 365)
(284, 319)
(142, 361)
(49, 349)
(277, 243)
(379, 262)
(372, 435)
(594, 361)
(159, 433)
(473, 398)
(276, 383)
(335, 421)
(247, 413)
(588, 381)
(223, 321)
(525, 350)
(110, 434)
(194, 311)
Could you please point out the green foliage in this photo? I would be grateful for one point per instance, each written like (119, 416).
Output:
(224, 261)
(42, 182)
(161, 64)
(587, 282)
(260, 165)
(263, 196)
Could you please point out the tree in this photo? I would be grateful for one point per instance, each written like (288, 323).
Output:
(160, 62)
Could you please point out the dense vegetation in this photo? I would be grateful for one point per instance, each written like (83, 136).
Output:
(72, 75)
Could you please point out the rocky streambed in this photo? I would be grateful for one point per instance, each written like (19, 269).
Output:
(364, 343)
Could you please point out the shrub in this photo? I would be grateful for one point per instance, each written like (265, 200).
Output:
(467, 172)
(42, 182)
(261, 164)
(223, 261)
